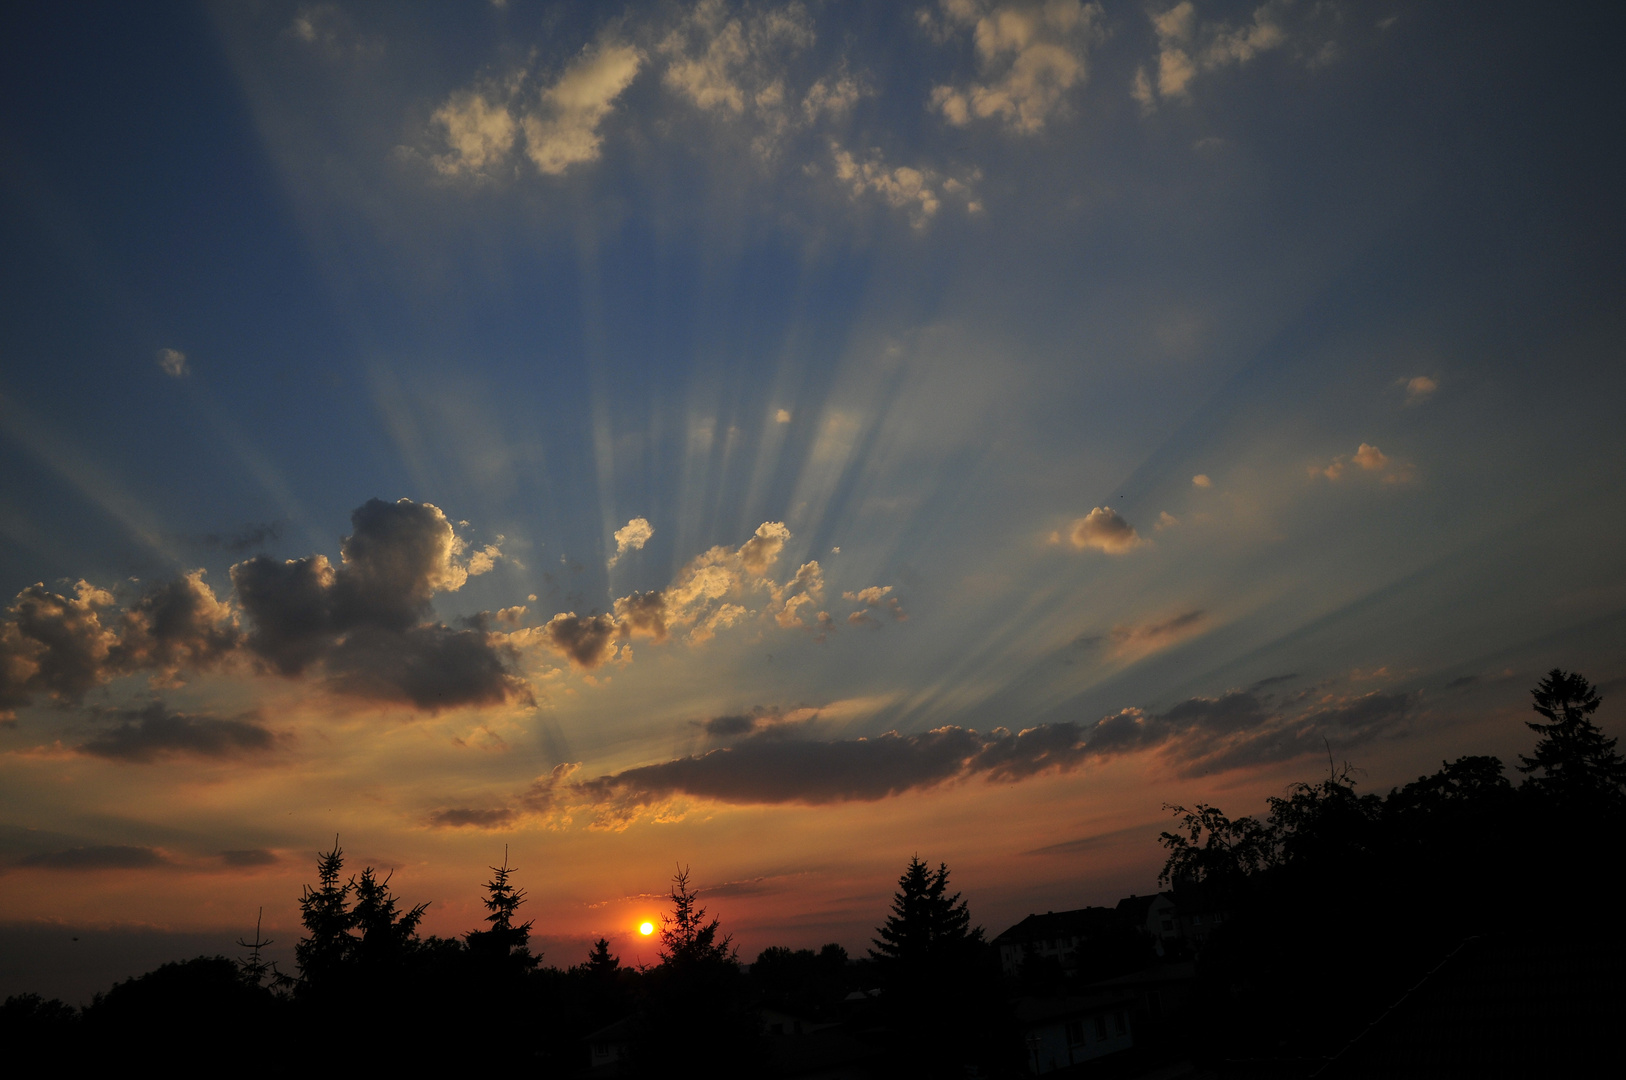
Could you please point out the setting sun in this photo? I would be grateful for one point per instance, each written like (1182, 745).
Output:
(646, 928)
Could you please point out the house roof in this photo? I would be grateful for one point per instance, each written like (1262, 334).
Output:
(1137, 907)
(1080, 922)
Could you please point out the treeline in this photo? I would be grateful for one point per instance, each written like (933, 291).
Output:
(1337, 903)
(1329, 906)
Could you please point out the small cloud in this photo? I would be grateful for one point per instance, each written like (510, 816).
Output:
(1166, 520)
(101, 857)
(172, 362)
(631, 537)
(1029, 57)
(1201, 480)
(250, 857)
(1104, 530)
(1134, 642)
(1419, 388)
(782, 416)
(154, 733)
(1370, 457)
(463, 817)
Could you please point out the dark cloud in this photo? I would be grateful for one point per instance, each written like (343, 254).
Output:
(54, 644)
(103, 857)
(250, 857)
(64, 646)
(585, 641)
(178, 624)
(154, 733)
(366, 624)
(721, 727)
(1460, 681)
(242, 540)
(462, 817)
(771, 763)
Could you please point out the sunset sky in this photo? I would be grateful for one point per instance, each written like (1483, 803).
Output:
(775, 438)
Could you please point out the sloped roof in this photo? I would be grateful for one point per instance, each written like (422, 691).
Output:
(1080, 922)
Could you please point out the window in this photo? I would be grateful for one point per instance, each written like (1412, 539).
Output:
(1120, 1023)
(1168, 924)
(1101, 1026)
(1075, 1033)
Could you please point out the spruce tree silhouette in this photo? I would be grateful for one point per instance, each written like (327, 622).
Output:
(940, 994)
(686, 937)
(325, 913)
(506, 940)
(1574, 762)
(927, 927)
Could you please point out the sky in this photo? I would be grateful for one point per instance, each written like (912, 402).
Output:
(775, 439)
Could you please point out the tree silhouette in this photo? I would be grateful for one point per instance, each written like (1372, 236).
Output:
(942, 998)
(600, 964)
(926, 924)
(506, 939)
(686, 937)
(325, 913)
(387, 934)
(1574, 761)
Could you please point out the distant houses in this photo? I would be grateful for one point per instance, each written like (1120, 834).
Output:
(1096, 982)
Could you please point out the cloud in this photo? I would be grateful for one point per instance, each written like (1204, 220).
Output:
(365, 625)
(249, 857)
(179, 624)
(782, 416)
(478, 133)
(555, 127)
(172, 362)
(1419, 388)
(774, 762)
(459, 818)
(244, 539)
(1134, 642)
(103, 857)
(919, 191)
(631, 537)
(875, 597)
(564, 130)
(1165, 520)
(155, 733)
(1028, 57)
(735, 64)
(1370, 459)
(1201, 480)
(1103, 529)
(1188, 47)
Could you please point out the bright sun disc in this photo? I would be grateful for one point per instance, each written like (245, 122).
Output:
(646, 928)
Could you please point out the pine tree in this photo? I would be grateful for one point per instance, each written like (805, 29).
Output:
(1576, 762)
(600, 964)
(686, 937)
(927, 925)
(505, 938)
(387, 934)
(328, 920)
